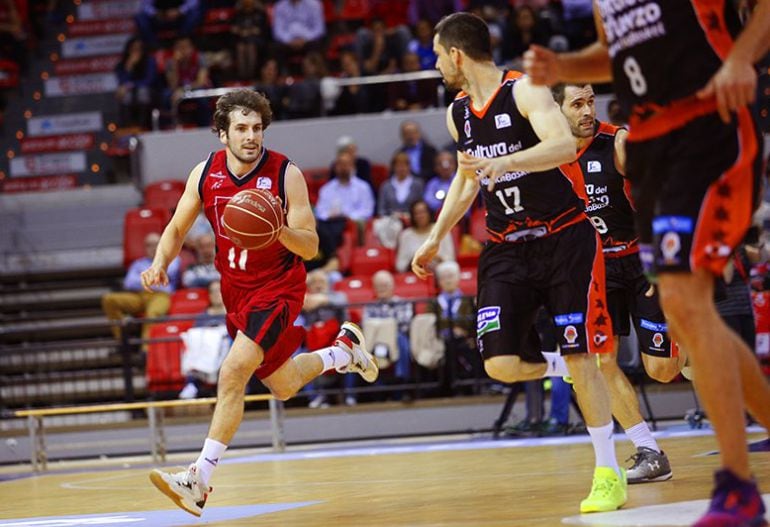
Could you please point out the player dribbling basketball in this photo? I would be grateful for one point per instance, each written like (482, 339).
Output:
(262, 289)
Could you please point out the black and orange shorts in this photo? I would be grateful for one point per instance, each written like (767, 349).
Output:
(695, 188)
(563, 272)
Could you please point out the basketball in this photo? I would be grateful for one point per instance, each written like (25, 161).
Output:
(253, 218)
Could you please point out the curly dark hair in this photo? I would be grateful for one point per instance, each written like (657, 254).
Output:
(245, 99)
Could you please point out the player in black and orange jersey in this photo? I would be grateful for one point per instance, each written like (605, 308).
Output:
(601, 171)
(263, 289)
(694, 157)
(511, 139)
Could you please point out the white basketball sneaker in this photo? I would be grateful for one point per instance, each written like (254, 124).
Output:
(351, 340)
(184, 488)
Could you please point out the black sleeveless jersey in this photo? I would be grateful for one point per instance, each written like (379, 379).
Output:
(608, 193)
(665, 50)
(522, 205)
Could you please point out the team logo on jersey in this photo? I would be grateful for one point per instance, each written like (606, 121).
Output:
(670, 245)
(657, 341)
(218, 175)
(570, 335)
(594, 166)
(467, 129)
(487, 319)
(502, 120)
(264, 182)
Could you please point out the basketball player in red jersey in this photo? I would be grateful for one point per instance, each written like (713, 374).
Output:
(694, 157)
(511, 139)
(601, 170)
(263, 289)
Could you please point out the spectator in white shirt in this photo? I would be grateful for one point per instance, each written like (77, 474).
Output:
(411, 238)
(345, 195)
(298, 27)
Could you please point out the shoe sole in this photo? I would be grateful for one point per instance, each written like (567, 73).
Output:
(600, 509)
(156, 477)
(664, 477)
(353, 328)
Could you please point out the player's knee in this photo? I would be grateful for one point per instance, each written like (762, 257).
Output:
(283, 392)
(232, 377)
(608, 362)
(660, 369)
(503, 369)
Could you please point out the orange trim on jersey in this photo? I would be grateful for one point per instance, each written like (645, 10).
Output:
(726, 210)
(574, 174)
(651, 121)
(599, 334)
(509, 75)
(711, 17)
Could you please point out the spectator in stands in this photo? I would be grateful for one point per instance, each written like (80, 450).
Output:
(322, 311)
(413, 94)
(421, 153)
(422, 44)
(615, 113)
(411, 238)
(579, 24)
(380, 47)
(303, 98)
(251, 32)
(298, 28)
(346, 143)
(212, 317)
(137, 74)
(352, 99)
(386, 323)
(345, 195)
(187, 70)
(203, 271)
(438, 186)
(134, 300)
(154, 16)
(431, 11)
(522, 30)
(271, 84)
(401, 190)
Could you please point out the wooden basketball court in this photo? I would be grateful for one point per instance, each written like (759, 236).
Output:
(452, 482)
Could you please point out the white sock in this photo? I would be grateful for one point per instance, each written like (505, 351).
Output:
(641, 436)
(604, 446)
(555, 365)
(334, 357)
(209, 458)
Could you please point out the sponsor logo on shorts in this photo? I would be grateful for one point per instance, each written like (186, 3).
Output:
(663, 224)
(600, 338)
(569, 318)
(657, 341)
(502, 120)
(660, 327)
(670, 245)
(594, 166)
(570, 335)
(264, 182)
(487, 320)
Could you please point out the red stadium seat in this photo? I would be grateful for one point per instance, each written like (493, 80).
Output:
(163, 370)
(380, 173)
(468, 281)
(358, 290)
(315, 179)
(189, 301)
(163, 194)
(345, 249)
(369, 260)
(217, 20)
(409, 286)
(479, 224)
(137, 224)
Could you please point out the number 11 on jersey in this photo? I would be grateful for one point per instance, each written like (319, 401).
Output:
(507, 193)
(241, 259)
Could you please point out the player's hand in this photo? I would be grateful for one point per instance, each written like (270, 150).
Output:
(422, 259)
(542, 65)
(734, 85)
(492, 168)
(154, 276)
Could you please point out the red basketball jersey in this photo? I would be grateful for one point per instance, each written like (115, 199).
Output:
(271, 272)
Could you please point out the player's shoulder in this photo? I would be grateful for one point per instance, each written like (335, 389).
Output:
(606, 128)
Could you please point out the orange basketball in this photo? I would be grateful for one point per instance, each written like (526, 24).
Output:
(253, 218)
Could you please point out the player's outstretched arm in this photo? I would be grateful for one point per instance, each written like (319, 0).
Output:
(590, 64)
(174, 234)
(735, 83)
(462, 191)
(299, 234)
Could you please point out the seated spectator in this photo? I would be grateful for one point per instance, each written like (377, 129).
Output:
(181, 16)
(322, 311)
(401, 190)
(438, 186)
(13, 36)
(352, 99)
(414, 94)
(134, 300)
(579, 25)
(521, 31)
(187, 69)
(422, 44)
(137, 74)
(303, 98)
(271, 84)
(363, 167)
(386, 326)
(212, 340)
(298, 28)
(411, 238)
(380, 47)
(203, 271)
(251, 32)
(421, 153)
